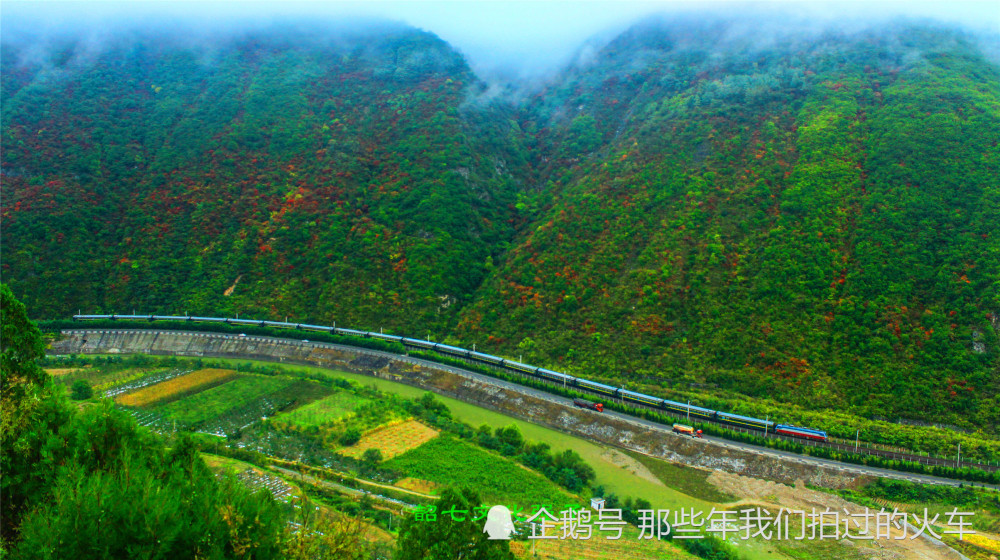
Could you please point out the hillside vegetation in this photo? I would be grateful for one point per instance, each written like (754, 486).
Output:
(815, 221)
(811, 219)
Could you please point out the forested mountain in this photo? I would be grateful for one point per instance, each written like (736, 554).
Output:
(318, 173)
(815, 219)
(809, 216)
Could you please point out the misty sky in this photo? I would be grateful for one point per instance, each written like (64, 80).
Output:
(516, 37)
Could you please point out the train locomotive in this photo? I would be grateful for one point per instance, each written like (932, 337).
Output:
(579, 383)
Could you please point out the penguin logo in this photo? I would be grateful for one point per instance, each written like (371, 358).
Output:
(498, 523)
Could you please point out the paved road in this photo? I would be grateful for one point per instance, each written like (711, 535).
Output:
(537, 393)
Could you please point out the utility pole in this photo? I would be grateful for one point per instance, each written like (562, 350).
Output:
(689, 409)
(958, 460)
(766, 418)
(857, 440)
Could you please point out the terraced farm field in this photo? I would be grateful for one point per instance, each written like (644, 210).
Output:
(447, 460)
(324, 411)
(214, 402)
(393, 440)
(176, 388)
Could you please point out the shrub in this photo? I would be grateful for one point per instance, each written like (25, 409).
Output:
(81, 390)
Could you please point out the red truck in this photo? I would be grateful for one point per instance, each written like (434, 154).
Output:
(587, 404)
(686, 430)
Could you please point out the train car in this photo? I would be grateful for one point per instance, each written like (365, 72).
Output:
(389, 337)
(795, 431)
(589, 405)
(486, 358)
(209, 319)
(454, 350)
(320, 328)
(594, 386)
(686, 430)
(555, 376)
(745, 421)
(689, 409)
(418, 343)
(351, 332)
(167, 318)
(640, 398)
(518, 366)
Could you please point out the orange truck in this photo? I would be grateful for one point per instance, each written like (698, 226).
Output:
(686, 430)
(587, 404)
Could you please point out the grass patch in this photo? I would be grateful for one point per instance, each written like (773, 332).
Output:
(322, 412)
(393, 440)
(597, 547)
(56, 372)
(693, 482)
(176, 388)
(302, 392)
(104, 377)
(452, 462)
(216, 401)
(226, 465)
(418, 485)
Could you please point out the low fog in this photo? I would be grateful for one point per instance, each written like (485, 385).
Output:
(503, 41)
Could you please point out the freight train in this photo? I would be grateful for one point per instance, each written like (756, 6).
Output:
(579, 383)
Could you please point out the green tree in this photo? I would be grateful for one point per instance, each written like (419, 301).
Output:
(20, 345)
(81, 390)
(65, 470)
(450, 537)
(351, 436)
(370, 460)
(21, 381)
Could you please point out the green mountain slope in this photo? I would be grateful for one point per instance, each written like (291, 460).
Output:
(812, 217)
(328, 178)
(815, 221)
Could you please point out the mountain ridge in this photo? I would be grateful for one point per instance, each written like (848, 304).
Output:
(673, 212)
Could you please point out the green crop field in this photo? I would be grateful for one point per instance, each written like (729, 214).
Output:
(323, 411)
(216, 401)
(691, 481)
(450, 461)
(613, 477)
(301, 392)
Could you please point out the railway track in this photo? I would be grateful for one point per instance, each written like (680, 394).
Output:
(550, 397)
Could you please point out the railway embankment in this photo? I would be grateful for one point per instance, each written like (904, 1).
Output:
(523, 403)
